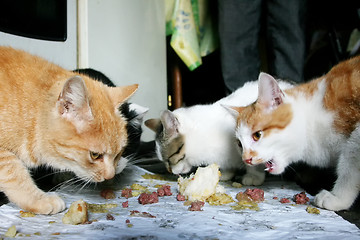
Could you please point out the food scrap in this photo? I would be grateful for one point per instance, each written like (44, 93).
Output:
(219, 199)
(137, 186)
(101, 208)
(136, 213)
(125, 204)
(128, 224)
(236, 185)
(202, 184)
(27, 214)
(153, 176)
(126, 193)
(110, 217)
(107, 194)
(285, 200)
(196, 205)
(312, 210)
(164, 191)
(255, 194)
(77, 213)
(180, 197)
(148, 198)
(301, 198)
(137, 189)
(245, 202)
(11, 232)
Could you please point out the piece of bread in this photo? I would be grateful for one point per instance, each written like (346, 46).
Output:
(77, 213)
(202, 184)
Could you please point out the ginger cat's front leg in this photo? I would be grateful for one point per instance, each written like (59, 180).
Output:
(17, 184)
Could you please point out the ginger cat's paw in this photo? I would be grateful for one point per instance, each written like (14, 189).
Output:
(47, 204)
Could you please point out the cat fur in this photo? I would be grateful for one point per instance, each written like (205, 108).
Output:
(206, 134)
(58, 118)
(316, 122)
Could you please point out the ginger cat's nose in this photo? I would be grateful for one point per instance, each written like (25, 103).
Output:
(248, 161)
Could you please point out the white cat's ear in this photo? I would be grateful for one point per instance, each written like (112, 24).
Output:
(153, 124)
(270, 94)
(140, 111)
(169, 122)
(73, 103)
(119, 95)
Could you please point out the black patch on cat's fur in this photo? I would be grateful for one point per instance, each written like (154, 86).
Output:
(96, 75)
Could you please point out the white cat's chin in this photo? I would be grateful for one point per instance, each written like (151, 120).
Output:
(181, 168)
(274, 167)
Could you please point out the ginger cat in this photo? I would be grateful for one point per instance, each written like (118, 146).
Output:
(50, 116)
(317, 122)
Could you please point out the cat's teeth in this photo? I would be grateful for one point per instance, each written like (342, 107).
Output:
(269, 166)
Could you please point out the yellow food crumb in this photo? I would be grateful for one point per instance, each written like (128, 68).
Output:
(219, 199)
(27, 214)
(153, 176)
(236, 185)
(136, 193)
(101, 208)
(51, 222)
(136, 186)
(37, 233)
(312, 210)
(11, 232)
(242, 205)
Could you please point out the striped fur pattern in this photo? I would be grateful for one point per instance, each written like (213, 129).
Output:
(316, 122)
(50, 116)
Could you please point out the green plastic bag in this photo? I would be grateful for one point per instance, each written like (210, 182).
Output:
(192, 31)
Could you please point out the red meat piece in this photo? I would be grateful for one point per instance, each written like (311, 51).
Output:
(148, 198)
(256, 194)
(301, 198)
(196, 206)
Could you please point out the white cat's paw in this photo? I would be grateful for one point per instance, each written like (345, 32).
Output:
(250, 179)
(327, 200)
(48, 204)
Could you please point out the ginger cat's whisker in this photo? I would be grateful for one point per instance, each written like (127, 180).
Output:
(59, 118)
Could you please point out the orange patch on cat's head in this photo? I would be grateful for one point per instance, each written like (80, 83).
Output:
(257, 118)
(101, 130)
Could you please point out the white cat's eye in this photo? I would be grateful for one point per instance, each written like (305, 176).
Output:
(257, 135)
(239, 143)
(95, 155)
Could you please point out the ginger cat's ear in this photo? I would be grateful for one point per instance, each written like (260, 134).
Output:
(234, 111)
(73, 103)
(270, 94)
(119, 95)
(153, 124)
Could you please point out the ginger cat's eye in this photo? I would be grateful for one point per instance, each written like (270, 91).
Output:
(95, 155)
(257, 135)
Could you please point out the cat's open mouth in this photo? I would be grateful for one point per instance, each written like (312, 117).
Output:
(269, 165)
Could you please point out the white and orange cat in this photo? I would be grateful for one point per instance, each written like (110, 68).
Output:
(50, 116)
(316, 122)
